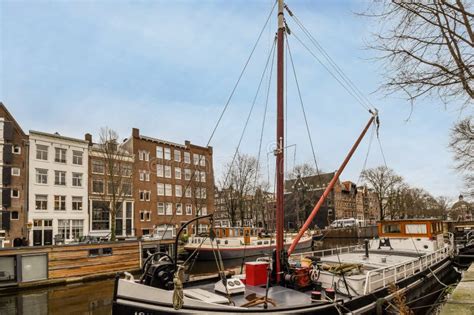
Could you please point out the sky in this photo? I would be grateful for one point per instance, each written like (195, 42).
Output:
(168, 68)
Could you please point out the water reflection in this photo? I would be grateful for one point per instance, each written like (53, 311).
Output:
(80, 298)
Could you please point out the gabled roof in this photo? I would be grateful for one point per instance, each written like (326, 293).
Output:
(314, 182)
(11, 118)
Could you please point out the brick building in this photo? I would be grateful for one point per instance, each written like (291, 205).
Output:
(103, 188)
(172, 183)
(14, 180)
(302, 194)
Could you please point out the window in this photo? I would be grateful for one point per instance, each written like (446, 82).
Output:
(159, 170)
(77, 179)
(161, 208)
(100, 215)
(144, 195)
(167, 171)
(415, 228)
(60, 156)
(161, 189)
(167, 154)
(41, 176)
(127, 189)
(126, 170)
(60, 178)
(77, 157)
(98, 167)
(203, 210)
(64, 229)
(15, 193)
(200, 193)
(159, 152)
(141, 175)
(145, 231)
(178, 190)
(177, 173)
(202, 160)
(77, 229)
(196, 159)
(14, 215)
(60, 203)
(188, 193)
(143, 155)
(168, 190)
(145, 215)
(187, 174)
(98, 186)
(41, 152)
(196, 176)
(177, 155)
(147, 176)
(187, 157)
(16, 149)
(203, 177)
(189, 209)
(391, 228)
(15, 171)
(77, 203)
(179, 209)
(41, 202)
(168, 208)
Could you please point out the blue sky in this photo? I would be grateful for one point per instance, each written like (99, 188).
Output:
(167, 67)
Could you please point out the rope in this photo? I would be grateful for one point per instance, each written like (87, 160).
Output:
(223, 112)
(304, 112)
(178, 293)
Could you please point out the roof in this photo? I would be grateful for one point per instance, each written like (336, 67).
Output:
(2, 106)
(313, 182)
(57, 136)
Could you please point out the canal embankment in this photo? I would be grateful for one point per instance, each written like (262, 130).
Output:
(461, 301)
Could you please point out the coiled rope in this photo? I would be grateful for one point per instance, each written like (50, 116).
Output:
(178, 294)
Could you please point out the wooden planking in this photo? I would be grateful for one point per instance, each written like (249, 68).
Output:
(77, 263)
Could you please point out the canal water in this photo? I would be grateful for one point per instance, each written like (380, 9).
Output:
(96, 297)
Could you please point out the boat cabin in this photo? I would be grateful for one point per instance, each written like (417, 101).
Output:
(411, 234)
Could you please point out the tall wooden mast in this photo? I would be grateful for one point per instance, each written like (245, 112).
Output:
(280, 140)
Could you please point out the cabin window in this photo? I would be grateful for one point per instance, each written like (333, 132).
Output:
(96, 252)
(259, 243)
(415, 228)
(391, 228)
(226, 242)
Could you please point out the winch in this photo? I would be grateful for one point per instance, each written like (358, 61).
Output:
(158, 271)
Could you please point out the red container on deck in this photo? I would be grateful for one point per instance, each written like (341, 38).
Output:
(256, 273)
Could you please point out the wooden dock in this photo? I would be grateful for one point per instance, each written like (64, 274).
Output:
(22, 267)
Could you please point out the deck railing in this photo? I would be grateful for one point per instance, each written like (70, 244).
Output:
(380, 278)
(329, 251)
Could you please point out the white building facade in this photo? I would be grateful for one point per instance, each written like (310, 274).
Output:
(58, 189)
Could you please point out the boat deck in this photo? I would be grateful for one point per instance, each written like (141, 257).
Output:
(280, 295)
(376, 259)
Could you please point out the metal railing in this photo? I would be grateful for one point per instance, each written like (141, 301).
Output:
(329, 251)
(380, 278)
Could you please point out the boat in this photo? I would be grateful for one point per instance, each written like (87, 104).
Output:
(409, 258)
(240, 242)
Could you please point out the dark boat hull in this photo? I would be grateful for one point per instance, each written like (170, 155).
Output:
(416, 292)
(207, 254)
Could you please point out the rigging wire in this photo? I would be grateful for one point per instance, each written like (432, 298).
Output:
(223, 111)
(236, 153)
(330, 60)
(240, 76)
(329, 71)
(364, 166)
(303, 109)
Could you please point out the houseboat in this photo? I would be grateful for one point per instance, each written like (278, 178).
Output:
(240, 242)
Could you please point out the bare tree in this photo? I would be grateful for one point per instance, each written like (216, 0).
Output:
(462, 144)
(302, 170)
(426, 47)
(385, 183)
(240, 178)
(118, 174)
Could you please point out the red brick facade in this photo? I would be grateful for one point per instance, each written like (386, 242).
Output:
(172, 183)
(14, 179)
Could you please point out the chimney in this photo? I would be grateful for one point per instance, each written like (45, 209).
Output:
(135, 132)
(88, 138)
